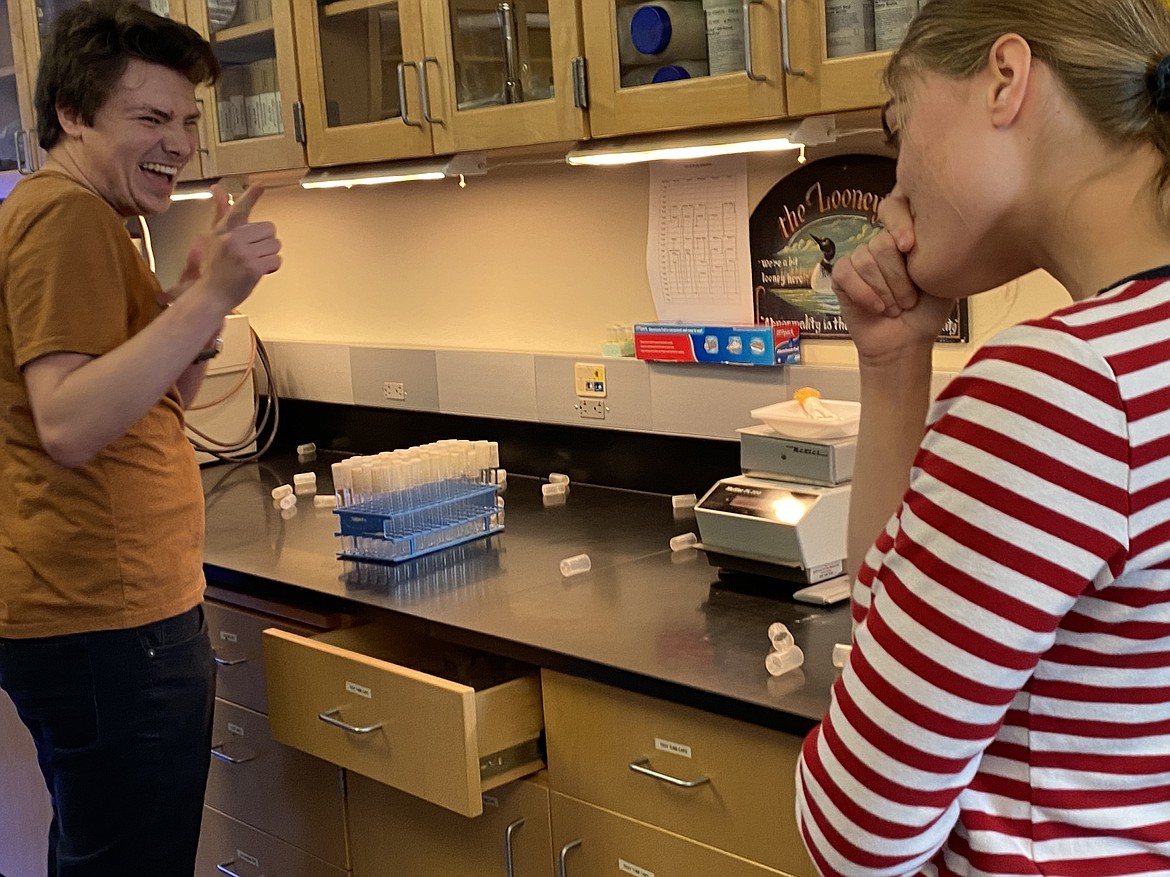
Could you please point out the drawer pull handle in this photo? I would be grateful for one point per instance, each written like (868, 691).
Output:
(328, 718)
(508, 832)
(562, 868)
(229, 662)
(224, 868)
(639, 766)
(217, 752)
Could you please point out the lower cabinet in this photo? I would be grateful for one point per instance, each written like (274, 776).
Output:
(232, 848)
(25, 810)
(393, 834)
(590, 841)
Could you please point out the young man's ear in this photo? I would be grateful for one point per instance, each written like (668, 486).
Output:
(70, 120)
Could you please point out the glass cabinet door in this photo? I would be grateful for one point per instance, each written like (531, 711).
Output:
(362, 64)
(682, 63)
(504, 71)
(838, 50)
(46, 12)
(250, 111)
(16, 136)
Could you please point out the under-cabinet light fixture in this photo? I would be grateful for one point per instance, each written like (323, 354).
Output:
(440, 168)
(689, 145)
(196, 191)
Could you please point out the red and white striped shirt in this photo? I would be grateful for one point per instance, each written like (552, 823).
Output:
(1006, 709)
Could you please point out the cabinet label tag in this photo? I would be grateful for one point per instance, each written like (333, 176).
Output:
(235, 729)
(627, 868)
(673, 748)
(359, 690)
(251, 860)
(227, 636)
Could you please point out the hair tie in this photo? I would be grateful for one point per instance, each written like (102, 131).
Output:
(1159, 85)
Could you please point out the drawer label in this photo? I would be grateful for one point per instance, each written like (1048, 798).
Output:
(251, 860)
(673, 748)
(491, 801)
(227, 636)
(235, 729)
(359, 690)
(627, 868)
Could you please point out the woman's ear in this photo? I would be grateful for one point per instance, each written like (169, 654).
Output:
(1009, 67)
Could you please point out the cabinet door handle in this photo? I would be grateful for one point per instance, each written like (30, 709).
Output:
(203, 150)
(508, 832)
(406, 120)
(786, 42)
(17, 137)
(747, 41)
(561, 866)
(229, 662)
(328, 718)
(510, 43)
(217, 752)
(426, 94)
(639, 766)
(225, 868)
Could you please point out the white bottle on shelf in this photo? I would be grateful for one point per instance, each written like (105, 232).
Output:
(725, 39)
(650, 73)
(662, 32)
(849, 28)
(891, 19)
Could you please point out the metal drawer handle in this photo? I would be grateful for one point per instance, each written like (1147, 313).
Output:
(327, 718)
(639, 766)
(785, 42)
(225, 662)
(217, 752)
(508, 832)
(223, 868)
(561, 867)
(747, 41)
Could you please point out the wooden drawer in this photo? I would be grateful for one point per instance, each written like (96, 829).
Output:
(228, 846)
(742, 799)
(397, 835)
(589, 841)
(435, 720)
(282, 791)
(239, 655)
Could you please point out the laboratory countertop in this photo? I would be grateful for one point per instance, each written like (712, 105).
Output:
(644, 617)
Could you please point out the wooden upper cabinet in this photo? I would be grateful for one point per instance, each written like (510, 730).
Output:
(397, 79)
(701, 69)
(818, 83)
(17, 126)
(720, 62)
(250, 122)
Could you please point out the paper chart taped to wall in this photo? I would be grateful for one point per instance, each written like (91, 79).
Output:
(698, 252)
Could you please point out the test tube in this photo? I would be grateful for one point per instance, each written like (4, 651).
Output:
(575, 565)
(779, 663)
(683, 542)
(780, 637)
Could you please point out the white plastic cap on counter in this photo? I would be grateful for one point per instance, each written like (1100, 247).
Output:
(683, 542)
(576, 565)
(779, 663)
(683, 501)
(780, 637)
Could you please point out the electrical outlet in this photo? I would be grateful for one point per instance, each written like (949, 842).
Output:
(394, 391)
(593, 409)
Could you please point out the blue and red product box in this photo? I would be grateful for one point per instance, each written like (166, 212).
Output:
(773, 344)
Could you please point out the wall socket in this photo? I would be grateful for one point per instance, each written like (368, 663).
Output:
(593, 409)
(395, 391)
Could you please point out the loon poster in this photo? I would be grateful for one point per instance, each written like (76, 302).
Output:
(814, 216)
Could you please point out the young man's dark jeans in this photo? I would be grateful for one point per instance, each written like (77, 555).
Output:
(122, 724)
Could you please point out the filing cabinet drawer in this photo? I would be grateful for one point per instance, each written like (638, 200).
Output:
(590, 841)
(435, 720)
(630, 753)
(239, 662)
(228, 846)
(282, 791)
(397, 835)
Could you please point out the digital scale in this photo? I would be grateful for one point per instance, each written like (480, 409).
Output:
(785, 517)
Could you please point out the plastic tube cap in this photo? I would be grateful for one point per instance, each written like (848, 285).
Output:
(841, 653)
(683, 501)
(779, 663)
(780, 637)
(288, 501)
(575, 565)
(554, 488)
(683, 542)
(325, 501)
(557, 478)
(305, 478)
(282, 491)
(306, 449)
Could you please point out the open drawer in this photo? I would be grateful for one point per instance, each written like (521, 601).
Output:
(433, 719)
